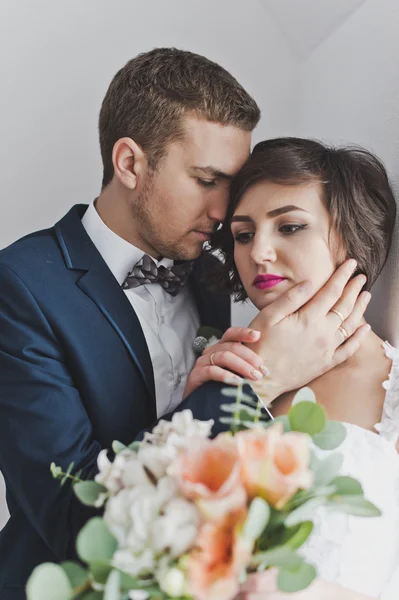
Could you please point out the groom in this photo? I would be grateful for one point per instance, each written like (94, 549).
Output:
(98, 313)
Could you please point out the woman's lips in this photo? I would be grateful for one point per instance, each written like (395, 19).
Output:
(265, 282)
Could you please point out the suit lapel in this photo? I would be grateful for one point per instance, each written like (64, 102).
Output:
(101, 286)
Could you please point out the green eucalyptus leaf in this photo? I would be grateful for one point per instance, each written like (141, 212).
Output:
(257, 519)
(76, 574)
(55, 470)
(249, 411)
(100, 571)
(233, 392)
(95, 543)
(251, 424)
(305, 394)
(118, 447)
(49, 582)
(68, 472)
(112, 590)
(88, 492)
(295, 537)
(227, 420)
(331, 436)
(280, 556)
(326, 469)
(347, 486)
(304, 512)
(92, 595)
(295, 580)
(307, 417)
(355, 505)
(134, 446)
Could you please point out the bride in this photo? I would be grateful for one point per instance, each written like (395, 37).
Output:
(299, 209)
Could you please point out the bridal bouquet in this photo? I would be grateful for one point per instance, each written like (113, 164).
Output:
(186, 516)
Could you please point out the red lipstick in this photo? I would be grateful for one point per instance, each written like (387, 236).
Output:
(265, 282)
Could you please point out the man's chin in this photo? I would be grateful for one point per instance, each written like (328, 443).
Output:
(187, 252)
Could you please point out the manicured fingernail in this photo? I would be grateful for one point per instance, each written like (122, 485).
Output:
(256, 374)
(253, 333)
(264, 370)
(353, 265)
(366, 297)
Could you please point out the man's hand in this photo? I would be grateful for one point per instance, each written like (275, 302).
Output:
(227, 361)
(302, 338)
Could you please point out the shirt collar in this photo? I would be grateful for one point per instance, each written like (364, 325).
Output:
(120, 256)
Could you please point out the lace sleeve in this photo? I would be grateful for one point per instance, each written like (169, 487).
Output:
(388, 427)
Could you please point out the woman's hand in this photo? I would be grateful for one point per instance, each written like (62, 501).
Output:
(304, 336)
(228, 361)
(263, 586)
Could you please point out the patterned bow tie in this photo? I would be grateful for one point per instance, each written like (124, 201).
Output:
(146, 271)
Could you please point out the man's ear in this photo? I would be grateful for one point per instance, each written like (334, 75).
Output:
(129, 162)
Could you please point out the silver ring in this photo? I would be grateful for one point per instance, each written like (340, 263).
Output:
(339, 314)
(211, 359)
(344, 332)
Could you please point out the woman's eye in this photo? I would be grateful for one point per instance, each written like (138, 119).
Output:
(207, 182)
(243, 237)
(289, 229)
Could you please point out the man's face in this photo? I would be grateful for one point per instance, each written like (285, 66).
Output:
(186, 198)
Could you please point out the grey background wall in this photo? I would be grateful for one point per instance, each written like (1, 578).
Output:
(324, 68)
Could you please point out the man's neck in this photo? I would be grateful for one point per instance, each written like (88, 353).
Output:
(115, 211)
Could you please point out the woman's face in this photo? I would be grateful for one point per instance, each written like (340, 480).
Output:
(282, 237)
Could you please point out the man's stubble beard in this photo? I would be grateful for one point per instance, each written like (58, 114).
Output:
(143, 209)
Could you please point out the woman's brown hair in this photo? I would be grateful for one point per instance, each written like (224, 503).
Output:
(355, 189)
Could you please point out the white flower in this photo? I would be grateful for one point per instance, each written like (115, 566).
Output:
(173, 582)
(129, 515)
(176, 529)
(180, 431)
(167, 489)
(134, 564)
(125, 470)
(155, 458)
(132, 513)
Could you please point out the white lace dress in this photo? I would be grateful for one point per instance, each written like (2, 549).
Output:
(359, 553)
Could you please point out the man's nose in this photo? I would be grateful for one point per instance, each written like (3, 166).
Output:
(217, 207)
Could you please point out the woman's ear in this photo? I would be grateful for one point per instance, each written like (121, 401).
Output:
(129, 162)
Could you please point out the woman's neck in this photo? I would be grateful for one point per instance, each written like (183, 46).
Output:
(371, 346)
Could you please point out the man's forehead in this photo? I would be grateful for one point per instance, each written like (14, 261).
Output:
(223, 148)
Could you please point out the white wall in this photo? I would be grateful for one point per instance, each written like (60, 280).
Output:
(350, 92)
(56, 61)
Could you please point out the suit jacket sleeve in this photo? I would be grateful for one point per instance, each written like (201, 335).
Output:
(42, 419)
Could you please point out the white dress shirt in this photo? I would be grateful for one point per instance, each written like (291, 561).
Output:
(169, 323)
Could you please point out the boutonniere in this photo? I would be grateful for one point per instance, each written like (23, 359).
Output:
(206, 336)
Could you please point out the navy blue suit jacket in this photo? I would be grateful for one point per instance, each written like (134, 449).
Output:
(75, 374)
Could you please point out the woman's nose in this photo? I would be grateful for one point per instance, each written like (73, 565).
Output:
(263, 251)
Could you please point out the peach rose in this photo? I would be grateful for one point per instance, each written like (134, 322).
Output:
(214, 566)
(209, 474)
(274, 464)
